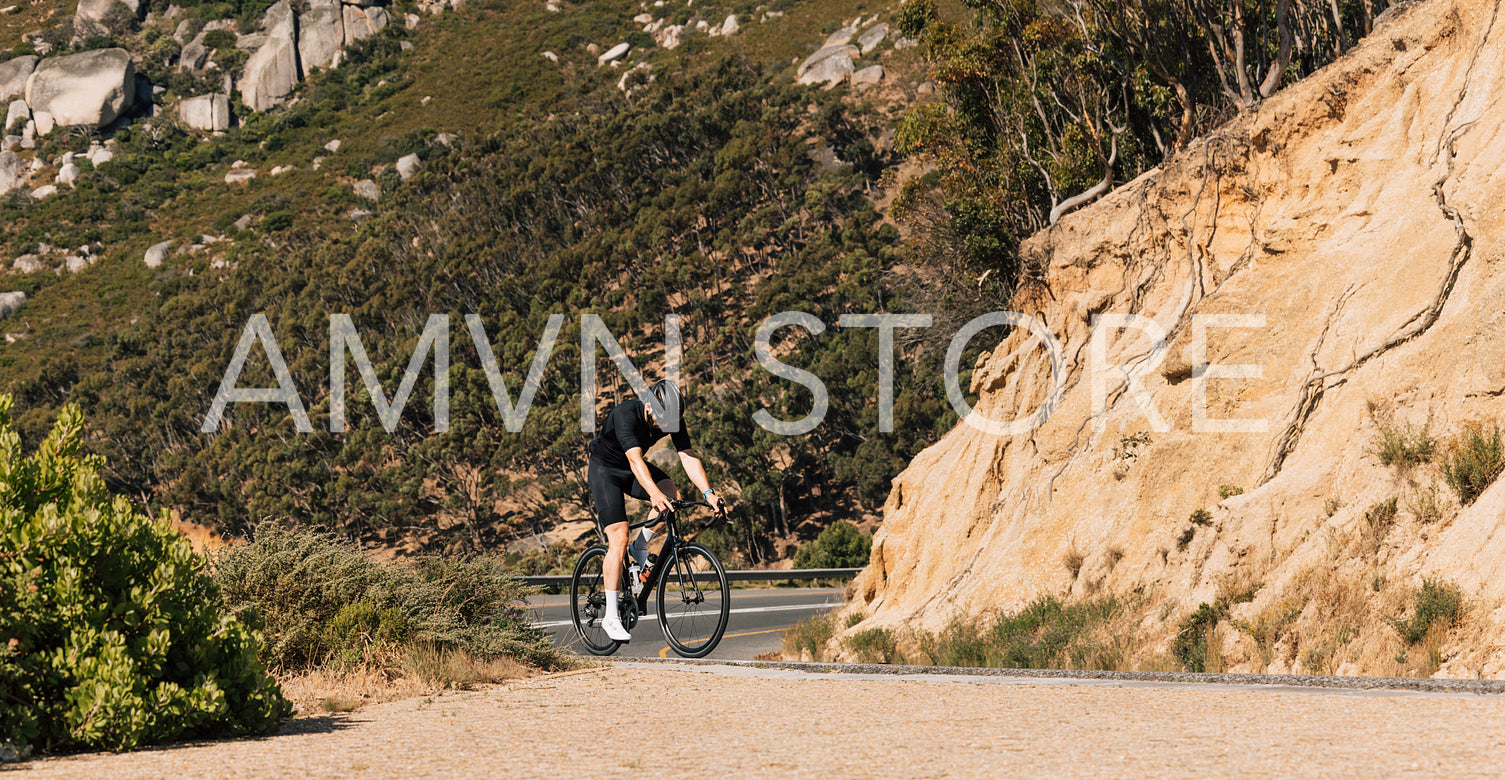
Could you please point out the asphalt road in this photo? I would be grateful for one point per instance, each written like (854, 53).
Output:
(758, 621)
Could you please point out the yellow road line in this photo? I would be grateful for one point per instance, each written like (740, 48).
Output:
(664, 653)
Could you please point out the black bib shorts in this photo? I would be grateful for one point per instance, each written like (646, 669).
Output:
(610, 484)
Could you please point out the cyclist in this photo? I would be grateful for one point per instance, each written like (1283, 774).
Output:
(617, 468)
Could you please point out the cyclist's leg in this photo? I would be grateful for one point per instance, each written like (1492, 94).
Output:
(611, 515)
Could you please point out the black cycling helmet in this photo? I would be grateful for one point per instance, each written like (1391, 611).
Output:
(670, 399)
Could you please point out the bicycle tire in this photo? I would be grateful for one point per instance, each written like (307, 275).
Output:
(694, 601)
(588, 602)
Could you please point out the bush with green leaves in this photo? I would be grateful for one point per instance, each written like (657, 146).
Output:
(323, 599)
(1473, 462)
(112, 634)
(840, 546)
(1438, 603)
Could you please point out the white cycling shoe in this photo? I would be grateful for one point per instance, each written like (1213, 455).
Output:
(614, 630)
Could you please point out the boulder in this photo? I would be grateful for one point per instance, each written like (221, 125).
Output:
(668, 38)
(874, 36)
(44, 122)
(10, 142)
(333, 146)
(868, 76)
(408, 166)
(27, 264)
(17, 115)
(550, 56)
(841, 37)
(194, 56)
(92, 88)
(446, 139)
(68, 174)
(13, 76)
(379, 18)
(240, 175)
(89, 18)
(75, 263)
(830, 65)
(272, 72)
(99, 156)
(251, 43)
(12, 171)
(730, 26)
(368, 189)
(613, 54)
(155, 253)
(206, 113)
(44, 192)
(824, 54)
(363, 22)
(11, 302)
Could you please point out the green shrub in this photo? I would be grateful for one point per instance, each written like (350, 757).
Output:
(840, 546)
(1229, 491)
(1049, 633)
(323, 599)
(112, 635)
(1201, 517)
(1473, 462)
(810, 636)
(1404, 445)
(1194, 633)
(876, 646)
(1190, 647)
(1437, 603)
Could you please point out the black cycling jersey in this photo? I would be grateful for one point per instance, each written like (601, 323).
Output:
(626, 428)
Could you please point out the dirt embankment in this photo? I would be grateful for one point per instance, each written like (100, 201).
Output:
(1348, 234)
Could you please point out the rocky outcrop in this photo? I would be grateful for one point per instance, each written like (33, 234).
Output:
(1342, 242)
(830, 65)
(12, 171)
(368, 189)
(13, 76)
(874, 36)
(17, 115)
(11, 303)
(91, 89)
(156, 253)
(321, 34)
(408, 166)
(867, 77)
(91, 16)
(364, 22)
(272, 72)
(613, 54)
(205, 113)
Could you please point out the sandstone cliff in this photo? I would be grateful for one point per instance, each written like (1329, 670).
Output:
(1360, 213)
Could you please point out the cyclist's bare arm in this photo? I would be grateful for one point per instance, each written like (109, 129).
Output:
(696, 471)
(645, 478)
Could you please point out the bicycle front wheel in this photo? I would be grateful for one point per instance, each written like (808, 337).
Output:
(694, 602)
(588, 602)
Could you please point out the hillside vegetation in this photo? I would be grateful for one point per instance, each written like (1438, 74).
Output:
(554, 192)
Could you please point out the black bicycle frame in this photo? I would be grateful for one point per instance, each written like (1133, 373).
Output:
(669, 551)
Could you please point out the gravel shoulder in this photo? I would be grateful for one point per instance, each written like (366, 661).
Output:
(677, 720)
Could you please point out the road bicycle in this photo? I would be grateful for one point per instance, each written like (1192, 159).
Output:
(694, 602)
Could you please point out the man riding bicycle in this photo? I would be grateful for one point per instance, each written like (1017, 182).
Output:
(617, 468)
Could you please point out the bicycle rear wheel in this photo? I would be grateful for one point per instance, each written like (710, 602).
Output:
(588, 602)
(694, 602)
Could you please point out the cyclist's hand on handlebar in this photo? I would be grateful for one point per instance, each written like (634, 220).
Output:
(718, 505)
(661, 502)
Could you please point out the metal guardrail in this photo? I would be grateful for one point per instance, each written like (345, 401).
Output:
(747, 575)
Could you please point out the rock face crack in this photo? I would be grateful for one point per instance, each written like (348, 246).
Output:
(1319, 381)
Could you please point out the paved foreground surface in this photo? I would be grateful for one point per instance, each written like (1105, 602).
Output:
(694, 721)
